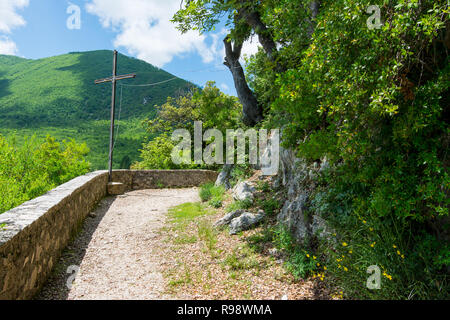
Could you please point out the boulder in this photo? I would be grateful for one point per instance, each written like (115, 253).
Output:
(243, 191)
(228, 217)
(245, 221)
(223, 179)
(292, 216)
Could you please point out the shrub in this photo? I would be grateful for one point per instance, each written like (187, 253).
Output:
(35, 167)
(213, 194)
(205, 192)
(299, 263)
(215, 202)
(270, 206)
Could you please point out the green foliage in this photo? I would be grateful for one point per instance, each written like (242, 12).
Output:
(186, 212)
(213, 194)
(271, 206)
(240, 172)
(375, 104)
(57, 96)
(240, 204)
(209, 106)
(157, 154)
(34, 167)
(216, 202)
(298, 261)
(242, 258)
(413, 260)
(208, 235)
(413, 263)
(205, 192)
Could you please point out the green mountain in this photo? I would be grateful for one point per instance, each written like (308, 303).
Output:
(57, 96)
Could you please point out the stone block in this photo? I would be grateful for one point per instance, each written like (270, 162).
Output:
(116, 188)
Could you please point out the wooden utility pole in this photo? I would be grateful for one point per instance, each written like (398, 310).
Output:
(113, 80)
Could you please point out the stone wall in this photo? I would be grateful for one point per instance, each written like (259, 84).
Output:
(37, 231)
(153, 179)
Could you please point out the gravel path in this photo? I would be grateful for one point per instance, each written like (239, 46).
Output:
(116, 251)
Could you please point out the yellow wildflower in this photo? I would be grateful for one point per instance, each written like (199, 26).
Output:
(345, 269)
(314, 257)
(344, 244)
(398, 252)
(373, 244)
(394, 246)
(307, 255)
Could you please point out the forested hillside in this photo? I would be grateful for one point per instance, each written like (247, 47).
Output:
(58, 96)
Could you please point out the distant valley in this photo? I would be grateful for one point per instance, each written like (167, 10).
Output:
(57, 96)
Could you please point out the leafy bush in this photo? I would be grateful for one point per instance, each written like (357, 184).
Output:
(210, 106)
(298, 262)
(205, 191)
(35, 167)
(270, 206)
(216, 202)
(213, 194)
(157, 154)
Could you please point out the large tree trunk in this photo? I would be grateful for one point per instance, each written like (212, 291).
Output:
(252, 112)
(253, 19)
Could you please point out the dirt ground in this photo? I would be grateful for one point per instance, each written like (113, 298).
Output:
(116, 251)
(130, 249)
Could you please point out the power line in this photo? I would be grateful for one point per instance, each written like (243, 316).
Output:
(148, 84)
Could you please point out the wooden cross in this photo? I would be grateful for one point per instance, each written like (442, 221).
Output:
(113, 79)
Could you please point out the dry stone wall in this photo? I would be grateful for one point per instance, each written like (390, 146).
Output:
(36, 232)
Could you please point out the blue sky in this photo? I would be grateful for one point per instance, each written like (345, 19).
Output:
(140, 28)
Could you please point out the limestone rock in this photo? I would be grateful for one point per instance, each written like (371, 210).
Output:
(243, 191)
(292, 216)
(224, 177)
(228, 217)
(245, 221)
(320, 228)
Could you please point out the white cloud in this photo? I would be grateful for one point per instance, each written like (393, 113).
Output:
(9, 19)
(7, 46)
(250, 47)
(145, 30)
